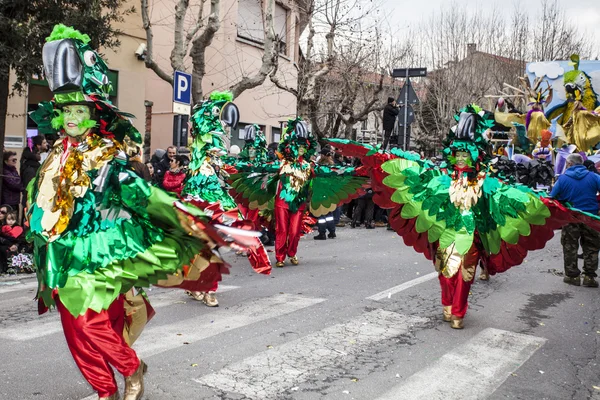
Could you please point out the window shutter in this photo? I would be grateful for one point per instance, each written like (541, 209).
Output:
(250, 20)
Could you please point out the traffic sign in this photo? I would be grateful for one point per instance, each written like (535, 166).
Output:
(182, 93)
(410, 116)
(409, 72)
(407, 94)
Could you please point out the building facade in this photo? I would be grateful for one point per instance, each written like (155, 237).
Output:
(236, 51)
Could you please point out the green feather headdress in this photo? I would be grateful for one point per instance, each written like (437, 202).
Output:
(468, 135)
(259, 143)
(91, 87)
(297, 134)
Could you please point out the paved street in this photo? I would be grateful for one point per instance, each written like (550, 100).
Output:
(359, 318)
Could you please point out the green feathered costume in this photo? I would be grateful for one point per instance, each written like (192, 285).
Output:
(97, 228)
(208, 148)
(285, 187)
(456, 215)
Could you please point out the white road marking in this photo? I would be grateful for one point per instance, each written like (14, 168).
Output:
(38, 327)
(271, 372)
(162, 338)
(396, 289)
(472, 371)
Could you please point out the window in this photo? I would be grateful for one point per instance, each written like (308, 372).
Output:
(250, 21)
(280, 24)
(276, 134)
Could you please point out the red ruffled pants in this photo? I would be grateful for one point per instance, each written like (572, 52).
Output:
(455, 290)
(96, 342)
(288, 228)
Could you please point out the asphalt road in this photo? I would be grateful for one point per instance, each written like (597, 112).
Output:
(359, 318)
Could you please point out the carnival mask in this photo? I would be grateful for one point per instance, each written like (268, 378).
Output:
(301, 151)
(74, 118)
(252, 153)
(463, 159)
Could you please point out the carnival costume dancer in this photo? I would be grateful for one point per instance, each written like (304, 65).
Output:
(98, 229)
(253, 154)
(456, 214)
(206, 185)
(288, 185)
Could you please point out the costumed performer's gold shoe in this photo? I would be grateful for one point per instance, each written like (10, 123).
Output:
(279, 264)
(447, 313)
(294, 260)
(456, 323)
(196, 295)
(114, 396)
(210, 299)
(485, 275)
(134, 384)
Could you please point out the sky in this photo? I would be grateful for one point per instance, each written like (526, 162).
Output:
(586, 13)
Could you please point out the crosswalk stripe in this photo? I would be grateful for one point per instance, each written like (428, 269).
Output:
(406, 285)
(39, 327)
(471, 371)
(271, 372)
(162, 338)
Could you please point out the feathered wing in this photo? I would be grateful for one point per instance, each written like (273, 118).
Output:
(507, 221)
(371, 166)
(333, 186)
(255, 190)
(423, 214)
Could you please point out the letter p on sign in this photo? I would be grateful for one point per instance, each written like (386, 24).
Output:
(182, 89)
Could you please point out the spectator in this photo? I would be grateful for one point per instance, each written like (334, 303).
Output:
(31, 159)
(326, 222)
(390, 113)
(578, 186)
(364, 203)
(139, 167)
(175, 176)
(5, 243)
(163, 164)
(11, 181)
(151, 172)
(272, 151)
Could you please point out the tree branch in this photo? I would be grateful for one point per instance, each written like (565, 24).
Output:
(199, 45)
(149, 61)
(271, 53)
(179, 46)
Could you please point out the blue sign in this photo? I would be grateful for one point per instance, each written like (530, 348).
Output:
(182, 87)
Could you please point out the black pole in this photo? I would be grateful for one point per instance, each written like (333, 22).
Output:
(407, 83)
(178, 136)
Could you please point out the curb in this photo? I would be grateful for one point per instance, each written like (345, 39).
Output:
(18, 277)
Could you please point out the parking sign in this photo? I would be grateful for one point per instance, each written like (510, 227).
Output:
(182, 92)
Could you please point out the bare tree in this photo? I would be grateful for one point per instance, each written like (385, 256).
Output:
(193, 39)
(473, 55)
(334, 23)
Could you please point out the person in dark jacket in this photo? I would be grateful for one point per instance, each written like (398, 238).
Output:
(390, 113)
(30, 162)
(139, 167)
(578, 186)
(12, 186)
(164, 163)
(31, 159)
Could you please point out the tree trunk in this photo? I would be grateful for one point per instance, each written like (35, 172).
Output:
(4, 91)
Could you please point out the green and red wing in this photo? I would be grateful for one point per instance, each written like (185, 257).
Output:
(332, 187)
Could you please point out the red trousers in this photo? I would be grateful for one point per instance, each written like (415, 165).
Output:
(288, 228)
(250, 215)
(455, 293)
(96, 342)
